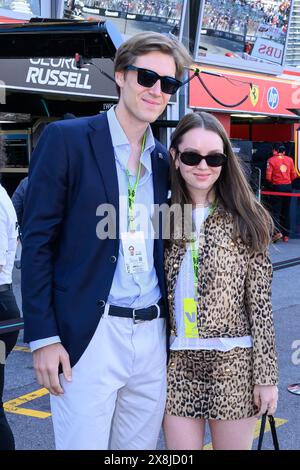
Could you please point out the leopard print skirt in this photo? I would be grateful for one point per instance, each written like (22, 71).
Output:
(211, 384)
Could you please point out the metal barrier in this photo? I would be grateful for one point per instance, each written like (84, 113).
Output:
(255, 182)
(294, 214)
(275, 193)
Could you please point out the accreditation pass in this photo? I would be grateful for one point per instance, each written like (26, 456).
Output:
(134, 250)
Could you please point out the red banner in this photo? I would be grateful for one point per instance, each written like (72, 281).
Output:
(267, 95)
(5, 19)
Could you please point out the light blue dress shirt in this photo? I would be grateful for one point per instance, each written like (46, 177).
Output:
(134, 290)
(129, 290)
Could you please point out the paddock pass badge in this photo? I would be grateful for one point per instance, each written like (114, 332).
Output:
(190, 318)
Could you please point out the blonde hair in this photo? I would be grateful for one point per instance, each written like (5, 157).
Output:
(145, 42)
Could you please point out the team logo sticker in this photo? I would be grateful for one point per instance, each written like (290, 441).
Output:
(254, 95)
(273, 97)
(283, 168)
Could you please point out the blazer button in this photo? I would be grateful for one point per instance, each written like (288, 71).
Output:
(100, 303)
(170, 296)
(172, 332)
(113, 259)
(172, 364)
(175, 266)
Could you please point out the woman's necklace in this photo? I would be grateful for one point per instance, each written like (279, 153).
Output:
(205, 204)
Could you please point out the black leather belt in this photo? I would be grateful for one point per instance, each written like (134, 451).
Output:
(139, 314)
(5, 287)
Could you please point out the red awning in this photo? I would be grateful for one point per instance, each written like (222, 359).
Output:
(4, 19)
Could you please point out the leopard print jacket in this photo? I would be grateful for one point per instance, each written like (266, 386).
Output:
(234, 292)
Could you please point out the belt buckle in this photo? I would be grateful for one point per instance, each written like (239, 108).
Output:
(135, 320)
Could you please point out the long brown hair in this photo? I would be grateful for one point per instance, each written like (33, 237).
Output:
(252, 222)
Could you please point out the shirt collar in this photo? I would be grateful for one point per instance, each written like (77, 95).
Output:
(119, 138)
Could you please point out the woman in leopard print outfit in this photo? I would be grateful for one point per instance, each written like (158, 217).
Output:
(223, 365)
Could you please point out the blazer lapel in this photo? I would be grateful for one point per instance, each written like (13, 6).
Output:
(104, 155)
(159, 177)
(160, 182)
(160, 189)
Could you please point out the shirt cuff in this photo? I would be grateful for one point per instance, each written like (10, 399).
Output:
(40, 343)
(2, 258)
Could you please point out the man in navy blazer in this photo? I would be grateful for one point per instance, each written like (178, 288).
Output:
(96, 320)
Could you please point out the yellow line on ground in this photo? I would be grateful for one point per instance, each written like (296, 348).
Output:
(13, 406)
(28, 397)
(27, 412)
(278, 422)
(21, 348)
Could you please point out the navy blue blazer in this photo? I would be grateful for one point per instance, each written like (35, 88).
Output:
(67, 271)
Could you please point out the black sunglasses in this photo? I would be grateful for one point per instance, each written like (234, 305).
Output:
(148, 78)
(194, 158)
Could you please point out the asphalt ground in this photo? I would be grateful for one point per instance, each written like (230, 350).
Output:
(27, 405)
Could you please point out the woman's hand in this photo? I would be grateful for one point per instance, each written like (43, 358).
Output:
(265, 398)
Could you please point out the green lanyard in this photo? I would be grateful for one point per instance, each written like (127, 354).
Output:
(196, 257)
(132, 190)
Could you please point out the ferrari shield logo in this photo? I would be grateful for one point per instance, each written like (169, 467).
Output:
(254, 94)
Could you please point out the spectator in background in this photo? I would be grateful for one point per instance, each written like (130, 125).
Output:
(18, 200)
(280, 174)
(8, 307)
(19, 194)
